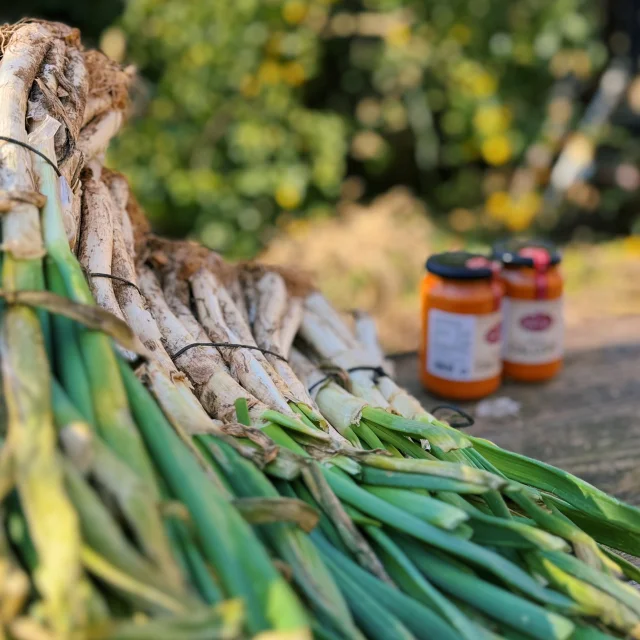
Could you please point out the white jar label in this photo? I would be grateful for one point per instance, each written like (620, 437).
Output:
(533, 330)
(463, 347)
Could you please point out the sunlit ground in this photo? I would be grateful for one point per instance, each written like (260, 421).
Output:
(373, 258)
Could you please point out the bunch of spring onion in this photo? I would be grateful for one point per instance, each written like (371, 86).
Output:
(422, 531)
(151, 488)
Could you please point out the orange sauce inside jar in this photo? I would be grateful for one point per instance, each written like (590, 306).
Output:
(461, 326)
(533, 322)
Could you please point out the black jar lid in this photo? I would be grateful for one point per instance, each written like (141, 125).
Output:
(522, 253)
(460, 265)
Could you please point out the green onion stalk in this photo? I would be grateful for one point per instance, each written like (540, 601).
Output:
(30, 442)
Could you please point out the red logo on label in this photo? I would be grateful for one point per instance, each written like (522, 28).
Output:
(537, 322)
(493, 335)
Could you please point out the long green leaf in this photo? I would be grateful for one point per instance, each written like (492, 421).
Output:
(437, 468)
(578, 493)
(291, 544)
(438, 513)
(479, 556)
(384, 478)
(503, 606)
(270, 601)
(414, 584)
(411, 613)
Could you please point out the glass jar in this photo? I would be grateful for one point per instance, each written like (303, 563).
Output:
(532, 310)
(461, 326)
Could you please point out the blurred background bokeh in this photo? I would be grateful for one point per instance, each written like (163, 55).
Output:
(354, 137)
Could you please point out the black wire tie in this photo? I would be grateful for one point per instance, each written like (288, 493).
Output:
(226, 345)
(118, 278)
(330, 376)
(34, 150)
(378, 372)
(469, 421)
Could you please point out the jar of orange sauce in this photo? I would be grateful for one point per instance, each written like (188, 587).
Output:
(461, 326)
(532, 310)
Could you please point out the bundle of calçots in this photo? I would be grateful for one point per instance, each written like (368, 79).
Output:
(165, 488)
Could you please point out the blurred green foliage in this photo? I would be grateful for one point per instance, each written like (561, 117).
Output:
(257, 109)
(253, 113)
(227, 142)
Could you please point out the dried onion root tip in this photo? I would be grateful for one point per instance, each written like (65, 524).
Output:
(367, 335)
(222, 322)
(140, 319)
(129, 299)
(290, 325)
(204, 366)
(108, 85)
(96, 242)
(121, 194)
(270, 294)
(245, 367)
(236, 323)
(177, 294)
(368, 353)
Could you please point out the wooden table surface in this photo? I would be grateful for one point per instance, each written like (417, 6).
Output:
(587, 420)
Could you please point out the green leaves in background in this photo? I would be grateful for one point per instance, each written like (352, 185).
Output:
(255, 111)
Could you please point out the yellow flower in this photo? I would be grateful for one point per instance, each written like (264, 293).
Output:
(491, 119)
(498, 204)
(366, 145)
(560, 110)
(294, 11)
(114, 43)
(483, 84)
(269, 72)
(368, 111)
(200, 54)
(249, 86)
(398, 35)
(288, 196)
(560, 64)
(530, 201)
(460, 33)
(581, 64)
(496, 150)
(293, 74)
(523, 211)
(518, 221)
(634, 95)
